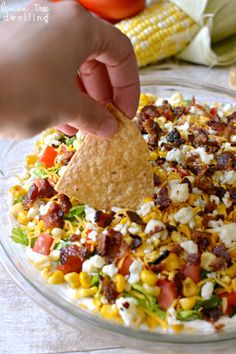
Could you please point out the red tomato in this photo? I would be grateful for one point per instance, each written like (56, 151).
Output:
(73, 264)
(48, 156)
(43, 244)
(192, 271)
(124, 270)
(231, 301)
(167, 294)
(114, 9)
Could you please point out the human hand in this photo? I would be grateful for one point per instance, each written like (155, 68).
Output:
(39, 65)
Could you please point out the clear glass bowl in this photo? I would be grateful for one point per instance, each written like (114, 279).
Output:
(14, 258)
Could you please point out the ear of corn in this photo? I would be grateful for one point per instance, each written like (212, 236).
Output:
(160, 31)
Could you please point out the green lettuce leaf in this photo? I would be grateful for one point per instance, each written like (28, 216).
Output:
(77, 211)
(188, 315)
(19, 236)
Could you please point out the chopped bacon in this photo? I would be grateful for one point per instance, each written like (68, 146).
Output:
(112, 246)
(136, 241)
(46, 190)
(153, 129)
(212, 147)
(167, 147)
(157, 180)
(217, 126)
(205, 184)
(64, 202)
(232, 193)
(53, 217)
(147, 112)
(175, 137)
(181, 171)
(208, 218)
(210, 207)
(109, 290)
(103, 219)
(220, 192)
(180, 110)
(134, 217)
(162, 199)
(166, 110)
(176, 249)
(212, 315)
(186, 180)
(65, 158)
(178, 282)
(160, 161)
(218, 264)
(199, 138)
(30, 198)
(225, 161)
(222, 251)
(202, 238)
(232, 117)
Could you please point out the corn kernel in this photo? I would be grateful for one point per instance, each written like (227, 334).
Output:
(189, 288)
(120, 283)
(171, 262)
(17, 191)
(46, 273)
(72, 279)
(176, 237)
(226, 280)
(109, 311)
(16, 209)
(150, 216)
(185, 230)
(81, 293)
(152, 290)
(187, 303)
(153, 156)
(84, 279)
(207, 259)
(22, 217)
(31, 159)
(234, 284)
(56, 278)
(151, 257)
(231, 271)
(54, 255)
(148, 277)
(162, 153)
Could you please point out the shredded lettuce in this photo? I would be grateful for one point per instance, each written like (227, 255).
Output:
(19, 236)
(69, 141)
(40, 172)
(188, 315)
(77, 211)
(214, 301)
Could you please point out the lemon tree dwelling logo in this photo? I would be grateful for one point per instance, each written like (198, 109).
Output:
(34, 13)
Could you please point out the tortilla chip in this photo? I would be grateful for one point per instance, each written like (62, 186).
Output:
(110, 172)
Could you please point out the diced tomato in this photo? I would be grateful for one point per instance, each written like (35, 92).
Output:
(48, 156)
(114, 9)
(230, 302)
(192, 271)
(73, 264)
(124, 270)
(213, 111)
(43, 244)
(167, 293)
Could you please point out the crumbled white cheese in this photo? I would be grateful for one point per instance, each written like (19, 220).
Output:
(152, 224)
(233, 139)
(184, 216)
(122, 228)
(35, 209)
(135, 269)
(175, 155)
(43, 209)
(179, 192)
(229, 177)
(227, 233)
(80, 136)
(199, 202)
(135, 229)
(211, 275)
(184, 127)
(89, 213)
(127, 308)
(93, 264)
(77, 232)
(169, 126)
(146, 208)
(62, 170)
(215, 224)
(227, 200)
(215, 199)
(194, 110)
(159, 101)
(92, 235)
(207, 290)
(116, 209)
(175, 98)
(206, 158)
(189, 246)
(171, 317)
(110, 270)
(57, 231)
(197, 191)
(53, 139)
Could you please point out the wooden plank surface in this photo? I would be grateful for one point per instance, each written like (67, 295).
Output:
(28, 329)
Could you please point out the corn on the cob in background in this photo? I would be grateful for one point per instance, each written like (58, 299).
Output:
(160, 31)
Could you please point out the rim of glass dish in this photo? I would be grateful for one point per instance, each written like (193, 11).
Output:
(59, 307)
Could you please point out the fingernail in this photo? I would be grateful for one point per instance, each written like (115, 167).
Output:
(107, 128)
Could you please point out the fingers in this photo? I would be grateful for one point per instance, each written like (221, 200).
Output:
(67, 129)
(116, 52)
(96, 81)
(90, 116)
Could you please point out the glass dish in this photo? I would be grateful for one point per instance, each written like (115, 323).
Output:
(15, 261)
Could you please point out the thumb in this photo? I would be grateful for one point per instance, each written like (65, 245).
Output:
(91, 117)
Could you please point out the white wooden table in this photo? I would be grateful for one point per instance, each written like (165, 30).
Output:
(25, 328)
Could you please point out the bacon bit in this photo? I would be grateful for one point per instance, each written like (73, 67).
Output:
(30, 198)
(225, 161)
(53, 217)
(212, 315)
(147, 112)
(74, 238)
(178, 282)
(201, 138)
(180, 110)
(170, 227)
(232, 117)
(232, 193)
(64, 202)
(156, 230)
(220, 192)
(157, 268)
(108, 290)
(210, 207)
(193, 258)
(167, 147)
(202, 238)
(217, 126)
(213, 112)
(181, 171)
(212, 147)
(162, 199)
(160, 161)
(103, 219)
(166, 110)
(46, 190)
(176, 249)
(112, 246)
(186, 180)
(175, 137)
(136, 241)
(65, 158)
(222, 251)
(205, 184)
(157, 180)
(218, 264)
(134, 217)
(153, 129)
